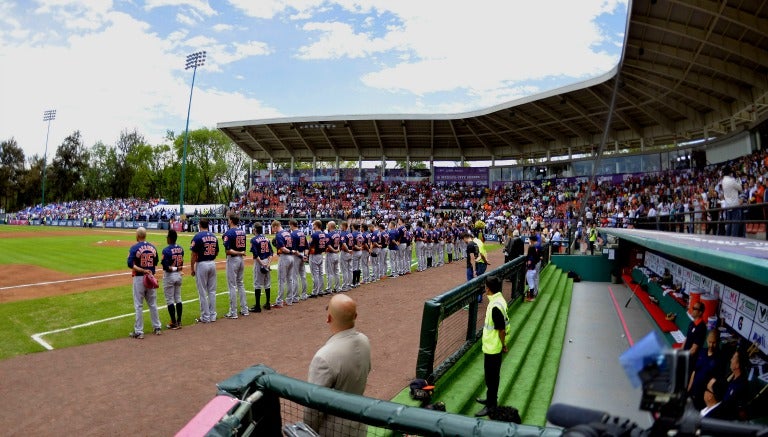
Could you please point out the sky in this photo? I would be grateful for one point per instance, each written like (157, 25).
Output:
(108, 66)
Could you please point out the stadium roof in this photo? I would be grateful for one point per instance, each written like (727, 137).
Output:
(690, 70)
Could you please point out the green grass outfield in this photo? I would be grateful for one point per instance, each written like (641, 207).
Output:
(112, 307)
(82, 255)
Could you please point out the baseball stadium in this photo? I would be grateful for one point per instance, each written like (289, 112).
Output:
(625, 251)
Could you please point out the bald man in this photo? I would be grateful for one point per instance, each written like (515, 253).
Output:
(343, 363)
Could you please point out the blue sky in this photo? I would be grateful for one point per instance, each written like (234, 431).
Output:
(108, 66)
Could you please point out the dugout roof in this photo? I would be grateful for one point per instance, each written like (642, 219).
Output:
(690, 69)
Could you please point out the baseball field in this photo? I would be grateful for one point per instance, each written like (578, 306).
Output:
(68, 289)
(63, 287)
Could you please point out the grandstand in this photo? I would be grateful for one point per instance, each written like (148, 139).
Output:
(687, 99)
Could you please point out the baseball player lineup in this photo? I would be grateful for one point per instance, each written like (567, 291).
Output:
(338, 259)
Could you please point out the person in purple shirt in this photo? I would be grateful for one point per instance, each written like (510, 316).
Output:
(300, 248)
(332, 258)
(234, 240)
(142, 259)
(394, 249)
(318, 244)
(173, 262)
(262, 258)
(205, 249)
(347, 242)
(285, 281)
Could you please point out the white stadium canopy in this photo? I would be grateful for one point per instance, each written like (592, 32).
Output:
(690, 70)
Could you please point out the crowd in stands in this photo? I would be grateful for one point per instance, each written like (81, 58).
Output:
(677, 199)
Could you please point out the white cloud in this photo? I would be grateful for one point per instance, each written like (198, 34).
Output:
(200, 6)
(221, 27)
(484, 47)
(270, 8)
(339, 40)
(185, 19)
(103, 82)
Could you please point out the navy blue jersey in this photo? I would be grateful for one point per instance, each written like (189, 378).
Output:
(260, 247)
(334, 240)
(173, 256)
(283, 241)
(144, 255)
(318, 242)
(394, 239)
(407, 237)
(367, 237)
(205, 245)
(375, 238)
(299, 240)
(401, 230)
(234, 239)
(357, 240)
(348, 238)
(419, 234)
(450, 237)
(384, 238)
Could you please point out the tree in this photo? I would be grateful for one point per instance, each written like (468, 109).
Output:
(68, 168)
(12, 172)
(100, 175)
(126, 145)
(31, 182)
(414, 165)
(232, 173)
(205, 151)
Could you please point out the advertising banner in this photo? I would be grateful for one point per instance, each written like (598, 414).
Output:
(470, 175)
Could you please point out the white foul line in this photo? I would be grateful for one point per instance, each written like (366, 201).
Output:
(37, 284)
(39, 336)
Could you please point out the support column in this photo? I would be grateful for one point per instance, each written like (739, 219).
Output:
(338, 176)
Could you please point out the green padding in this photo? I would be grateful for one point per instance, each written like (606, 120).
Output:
(373, 411)
(590, 268)
(443, 305)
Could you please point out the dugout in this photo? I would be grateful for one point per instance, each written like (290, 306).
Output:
(729, 275)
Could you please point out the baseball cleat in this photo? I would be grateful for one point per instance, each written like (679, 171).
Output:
(157, 331)
(136, 335)
(231, 316)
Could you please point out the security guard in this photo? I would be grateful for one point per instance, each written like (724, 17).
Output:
(494, 338)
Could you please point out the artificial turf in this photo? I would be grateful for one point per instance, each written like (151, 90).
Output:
(529, 371)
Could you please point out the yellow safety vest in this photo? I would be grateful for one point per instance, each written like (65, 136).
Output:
(592, 234)
(481, 250)
(491, 341)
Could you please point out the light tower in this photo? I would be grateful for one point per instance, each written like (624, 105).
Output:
(194, 60)
(47, 116)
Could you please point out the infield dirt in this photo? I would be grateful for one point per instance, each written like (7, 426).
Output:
(154, 386)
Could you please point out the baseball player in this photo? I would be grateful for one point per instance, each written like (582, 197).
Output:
(419, 236)
(402, 246)
(173, 262)
(262, 257)
(142, 259)
(440, 245)
(366, 255)
(332, 258)
(285, 280)
(384, 253)
(394, 249)
(300, 247)
(376, 254)
(318, 244)
(430, 245)
(450, 238)
(357, 241)
(205, 249)
(234, 240)
(347, 241)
